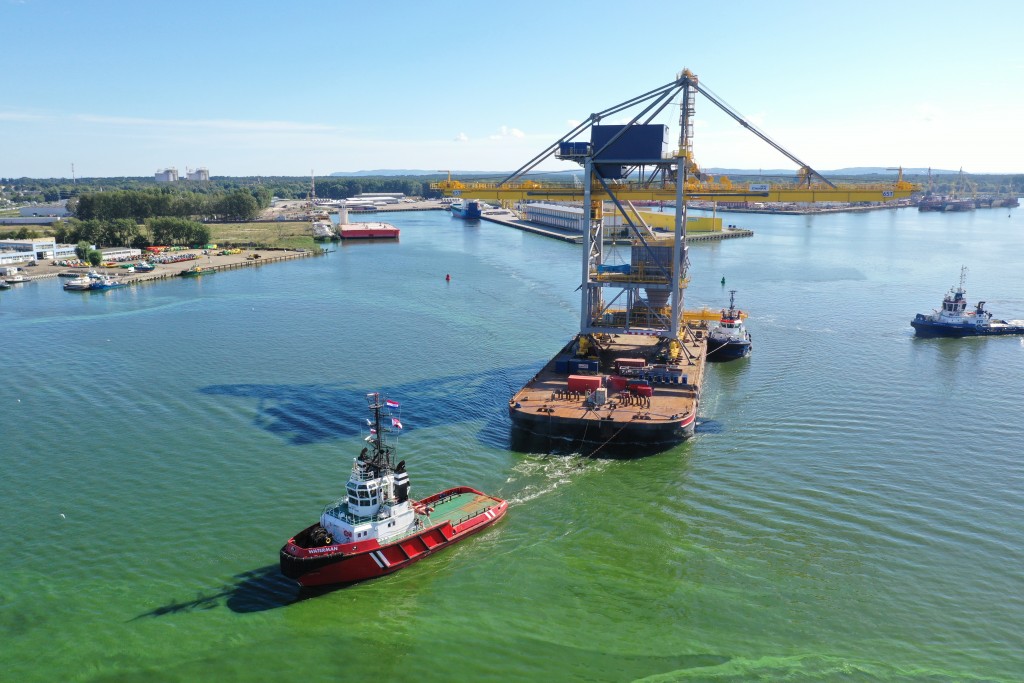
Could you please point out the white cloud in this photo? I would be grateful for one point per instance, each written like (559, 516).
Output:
(504, 133)
(461, 137)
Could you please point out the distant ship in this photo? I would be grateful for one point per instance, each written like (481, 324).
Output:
(364, 231)
(954, 320)
(467, 208)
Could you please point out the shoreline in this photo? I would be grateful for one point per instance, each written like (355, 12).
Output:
(218, 262)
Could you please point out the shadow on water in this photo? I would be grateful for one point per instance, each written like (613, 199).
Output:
(258, 590)
(313, 413)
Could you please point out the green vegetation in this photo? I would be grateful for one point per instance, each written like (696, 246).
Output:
(171, 231)
(261, 188)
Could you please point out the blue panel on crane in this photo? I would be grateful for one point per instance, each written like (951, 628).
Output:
(637, 144)
(573, 149)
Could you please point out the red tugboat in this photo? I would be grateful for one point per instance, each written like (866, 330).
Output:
(377, 529)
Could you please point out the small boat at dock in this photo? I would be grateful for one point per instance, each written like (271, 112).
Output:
(79, 284)
(196, 271)
(376, 528)
(954, 320)
(104, 282)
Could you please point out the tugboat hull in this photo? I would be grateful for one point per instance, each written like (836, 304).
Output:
(463, 511)
(725, 351)
(926, 328)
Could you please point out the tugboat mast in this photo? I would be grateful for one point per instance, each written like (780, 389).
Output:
(381, 458)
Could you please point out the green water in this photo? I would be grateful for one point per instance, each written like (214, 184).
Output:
(850, 508)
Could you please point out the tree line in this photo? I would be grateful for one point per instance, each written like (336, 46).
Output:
(240, 204)
(126, 232)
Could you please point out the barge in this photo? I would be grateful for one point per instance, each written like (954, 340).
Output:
(613, 394)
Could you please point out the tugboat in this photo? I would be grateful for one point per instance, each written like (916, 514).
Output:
(377, 529)
(729, 339)
(954, 320)
(196, 271)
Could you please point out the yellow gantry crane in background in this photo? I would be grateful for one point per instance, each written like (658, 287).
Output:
(624, 163)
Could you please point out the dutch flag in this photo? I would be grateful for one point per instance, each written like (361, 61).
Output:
(392, 404)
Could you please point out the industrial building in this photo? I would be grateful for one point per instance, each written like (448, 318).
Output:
(13, 252)
(168, 175)
(202, 174)
(59, 209)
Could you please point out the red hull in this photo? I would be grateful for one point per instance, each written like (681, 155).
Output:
(351, 562)
(368, 233)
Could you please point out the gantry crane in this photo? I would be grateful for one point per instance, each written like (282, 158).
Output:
(628, 162)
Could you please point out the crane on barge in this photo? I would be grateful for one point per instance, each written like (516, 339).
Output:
(632, 322)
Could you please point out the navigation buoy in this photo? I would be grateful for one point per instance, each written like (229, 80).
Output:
(448, 277)
(723, 280)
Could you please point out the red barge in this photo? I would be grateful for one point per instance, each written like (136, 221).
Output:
(377, 529)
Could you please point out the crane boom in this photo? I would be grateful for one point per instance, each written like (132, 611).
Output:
(627, 162)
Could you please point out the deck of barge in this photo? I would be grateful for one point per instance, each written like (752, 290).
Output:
(544, 406)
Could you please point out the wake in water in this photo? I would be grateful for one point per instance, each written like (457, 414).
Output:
(541, 474)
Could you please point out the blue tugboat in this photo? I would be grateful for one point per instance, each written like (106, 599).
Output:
(466, 208)
(729, 340)
(954, 320)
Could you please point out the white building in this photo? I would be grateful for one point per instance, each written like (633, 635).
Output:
(198, 174)
(60, 209)
(555, 215)
(120, 254)
(38, 249)
(168, 175)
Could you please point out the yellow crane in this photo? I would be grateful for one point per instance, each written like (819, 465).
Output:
(628, 162)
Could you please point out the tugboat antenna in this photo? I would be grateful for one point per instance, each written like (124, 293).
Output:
(732, 299)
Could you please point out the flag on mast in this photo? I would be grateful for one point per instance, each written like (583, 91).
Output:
(396, 423)
(392, 404)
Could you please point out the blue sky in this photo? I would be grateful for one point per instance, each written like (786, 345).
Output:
(274, 88)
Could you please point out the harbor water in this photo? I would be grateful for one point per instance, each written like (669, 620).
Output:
(849, 509)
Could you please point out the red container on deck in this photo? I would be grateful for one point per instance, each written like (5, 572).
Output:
(642, 390)
(616, 383)
(630, 362)
(584, 382)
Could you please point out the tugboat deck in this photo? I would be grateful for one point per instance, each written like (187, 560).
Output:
(457, 507)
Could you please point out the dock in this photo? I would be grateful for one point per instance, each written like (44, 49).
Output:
(247, 259)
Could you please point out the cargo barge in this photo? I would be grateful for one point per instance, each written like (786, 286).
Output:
(615, 395)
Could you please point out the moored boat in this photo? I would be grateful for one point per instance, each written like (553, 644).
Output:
(4, 285)
(729, 339)
(466, 208)
(105, 282)
(15, 279)
(377, 529)
(79, 284)
(196, 271)
(954, 320)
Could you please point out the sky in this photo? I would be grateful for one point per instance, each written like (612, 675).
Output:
(289, 88)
